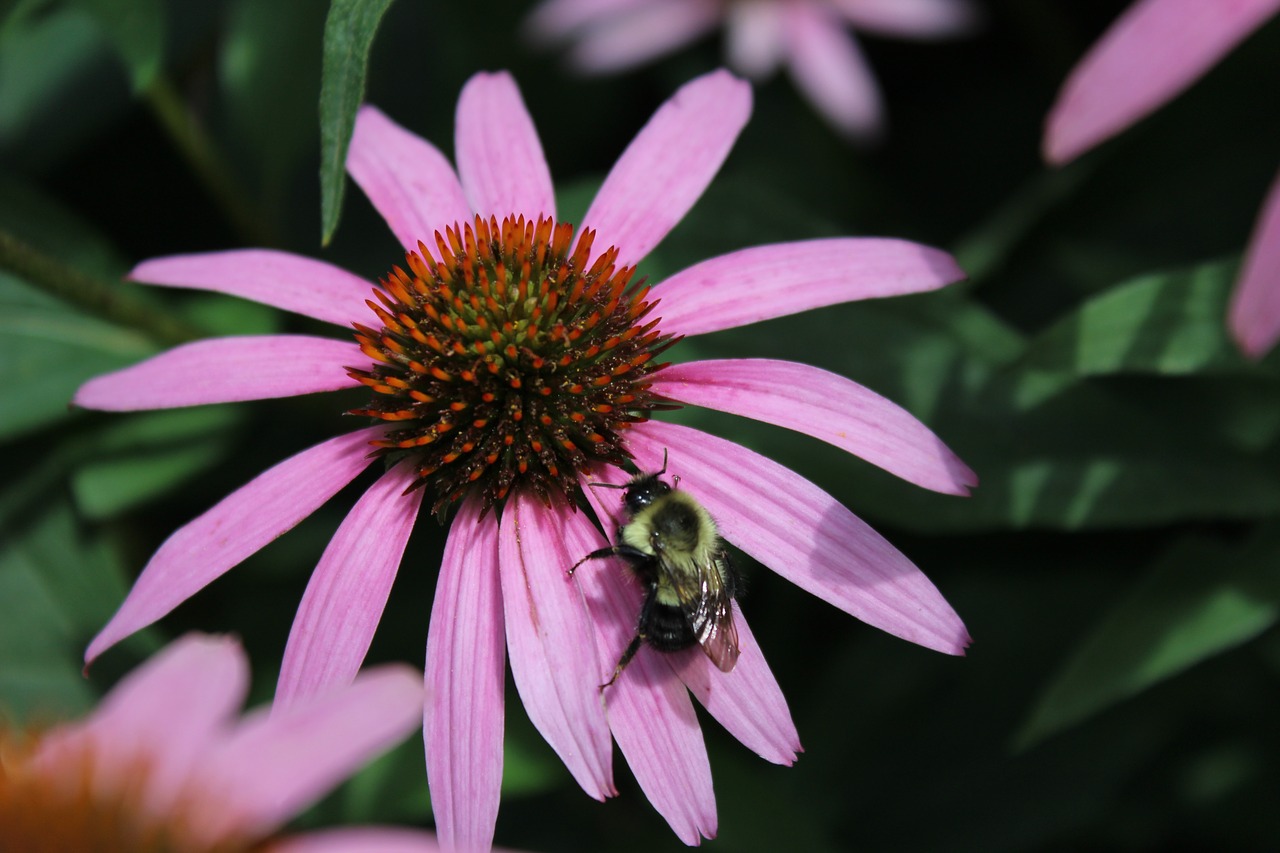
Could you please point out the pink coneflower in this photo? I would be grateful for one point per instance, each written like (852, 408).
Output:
(810, 36)
(164, 765)
(1154, 51)
(511, 363)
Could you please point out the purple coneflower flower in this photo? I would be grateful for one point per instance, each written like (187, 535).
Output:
(1154, 51)
(810, 36)
(512, 362)
(164, 765)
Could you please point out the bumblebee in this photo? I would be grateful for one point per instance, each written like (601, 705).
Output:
(671, 543)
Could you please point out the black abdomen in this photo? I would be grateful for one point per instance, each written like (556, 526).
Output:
(668, 629)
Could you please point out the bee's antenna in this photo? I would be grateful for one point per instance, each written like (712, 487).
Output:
(607, 485)
(664, 463)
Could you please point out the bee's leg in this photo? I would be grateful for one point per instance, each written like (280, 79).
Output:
(632, 648)
(631, 555)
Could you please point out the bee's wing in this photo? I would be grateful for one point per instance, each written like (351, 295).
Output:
(708, 605)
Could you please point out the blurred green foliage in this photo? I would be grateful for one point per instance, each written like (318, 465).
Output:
(1118, 566)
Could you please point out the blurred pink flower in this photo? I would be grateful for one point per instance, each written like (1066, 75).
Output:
(810, 36)
(508, 371)
(164, 765)
(1154, 51)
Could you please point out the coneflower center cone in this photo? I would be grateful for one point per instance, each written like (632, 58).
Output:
(510, 356)
(83, 802)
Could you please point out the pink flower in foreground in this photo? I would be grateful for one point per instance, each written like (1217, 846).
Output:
(163, 764)
(810, 36)
(1154, 51)
(511, 366)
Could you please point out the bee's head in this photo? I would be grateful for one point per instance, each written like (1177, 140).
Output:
(642, 491)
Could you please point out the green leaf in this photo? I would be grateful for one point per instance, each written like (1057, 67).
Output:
(41, 58)
(1050, 449)
(348, 37)
(47, 351)
(1167, 323)
(57, 587)
(1202, 599)
(136, 28)
(139, 458)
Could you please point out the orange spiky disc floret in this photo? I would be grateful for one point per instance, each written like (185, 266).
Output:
(507, 359)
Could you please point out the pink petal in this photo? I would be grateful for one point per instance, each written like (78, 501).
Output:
(410, 182)
(831, 71)
(364, 839)
(825, 406)
(549, 634)
(289, 282)
(276, 764)
(462, 722)
(1154, 51)
(753, 37)
(500, 159)
(554, 20)
(225, 370)
(348, 590)
(667, 166)
(917, 19)
(649, 32)
(241, 524)
(649, 709)
(1255, 306)
(803, 534)
(748, 701)
(764, 282)
(166, 713)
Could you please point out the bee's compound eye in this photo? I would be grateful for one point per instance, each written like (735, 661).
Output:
(638, 499)
(644, 492)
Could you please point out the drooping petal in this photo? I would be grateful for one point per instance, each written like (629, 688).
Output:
(466, 655)
(667, 166)
(1255, 305)
(549, 634)
(826, 406)
(1153, 51)
(166, 713)
(238, 526)
(803, 534)
(747, 701)
(348, 589)
(764, 282)
(753, 37)
(276, 764)
(554, 20)
(649, 710)
(831, 71)
(280, 279)
(915, 19)
(225, 370)
(364, 839)
(409, 182)
(500, 159)
(653, 30)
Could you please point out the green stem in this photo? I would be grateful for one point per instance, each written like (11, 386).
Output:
(102, 297)
(207, 163)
